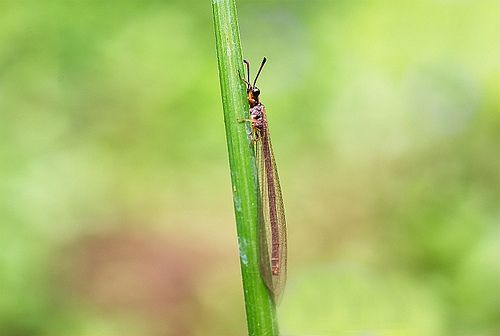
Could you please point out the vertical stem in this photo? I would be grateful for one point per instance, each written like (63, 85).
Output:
(260, 309)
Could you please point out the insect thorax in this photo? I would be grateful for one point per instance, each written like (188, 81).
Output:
(257, 113)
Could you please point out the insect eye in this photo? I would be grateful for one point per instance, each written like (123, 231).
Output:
(256, 92)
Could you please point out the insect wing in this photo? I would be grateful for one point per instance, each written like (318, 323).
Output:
(272, 228)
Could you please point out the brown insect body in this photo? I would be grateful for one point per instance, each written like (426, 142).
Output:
(273, 227)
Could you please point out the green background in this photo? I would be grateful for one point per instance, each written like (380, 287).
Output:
(116, 214)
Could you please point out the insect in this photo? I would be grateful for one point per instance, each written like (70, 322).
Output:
(272, 225)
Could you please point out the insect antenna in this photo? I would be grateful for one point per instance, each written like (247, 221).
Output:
(248, 74)
(260, 69)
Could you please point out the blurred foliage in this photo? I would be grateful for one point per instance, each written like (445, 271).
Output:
(116, 204)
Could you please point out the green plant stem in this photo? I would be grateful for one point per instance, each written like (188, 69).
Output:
(260, 309)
